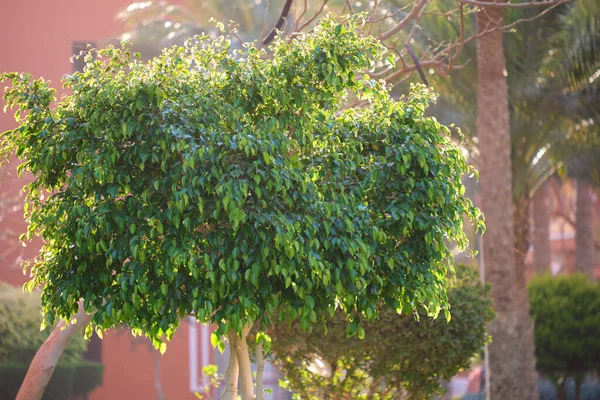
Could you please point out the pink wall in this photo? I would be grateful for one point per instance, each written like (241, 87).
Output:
(36, 36)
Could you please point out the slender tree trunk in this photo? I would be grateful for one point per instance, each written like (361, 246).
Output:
(577, 389)
(542, 204)
(260, 368)
(160, 395)
(585, 251)
(493, 131)
(231, 375)
(43, 364)
(561, 390)
(239, 346)
(525, 347)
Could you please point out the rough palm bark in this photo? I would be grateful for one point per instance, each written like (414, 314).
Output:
(525, 369)
(45, 360)
(585, 251)
(493, 132)
(542, 204)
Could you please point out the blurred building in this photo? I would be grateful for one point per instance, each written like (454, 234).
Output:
(562, 198)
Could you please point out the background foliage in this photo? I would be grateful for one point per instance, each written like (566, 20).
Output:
(402, 356)
(566, 312)
(20, 338)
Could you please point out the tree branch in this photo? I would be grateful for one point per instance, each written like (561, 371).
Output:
(531, 4)
(409, 17)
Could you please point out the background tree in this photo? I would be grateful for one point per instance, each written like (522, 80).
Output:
(564, 308)
(181, 184)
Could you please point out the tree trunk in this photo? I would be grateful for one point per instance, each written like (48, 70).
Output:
(43, 364)
(231, 375)
(160, 394)
(542, 204)
(577, 389)
(525, 347)
(260, 368)
(561, 392)
(585, 252)
(493, 131)
(239, 346)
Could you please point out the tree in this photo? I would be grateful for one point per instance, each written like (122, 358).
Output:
(566, 311)
(401, 357)
(493, 133)
(236, 187)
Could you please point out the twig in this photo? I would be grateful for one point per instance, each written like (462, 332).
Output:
(301, 15)
(316, 14)
(409, 17)
(495, 4)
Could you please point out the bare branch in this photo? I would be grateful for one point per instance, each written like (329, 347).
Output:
(280, 22)
(301, 15)
(316, 14)
(417, 64)
(417, 9)
(530, 4)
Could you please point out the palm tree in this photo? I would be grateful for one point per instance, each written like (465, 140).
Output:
(581, 70)
(542, 139)
(493, 133)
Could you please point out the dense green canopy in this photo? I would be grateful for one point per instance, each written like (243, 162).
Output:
(237, 184)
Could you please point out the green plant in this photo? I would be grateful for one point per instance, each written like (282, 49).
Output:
(20, 334)
(88, 376)
(238, 185)
(182, 183)
(566, 312)
(401, 356)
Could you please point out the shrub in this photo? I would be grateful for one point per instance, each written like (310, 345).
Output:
(566, 313)
(400, 355)
(20, 334)
(88, 376)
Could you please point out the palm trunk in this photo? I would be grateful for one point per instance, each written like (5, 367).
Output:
(525, 347)
(45, 360)
(541, 227)
(493, 131)
(585, 252)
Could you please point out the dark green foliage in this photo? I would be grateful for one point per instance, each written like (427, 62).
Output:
(235, 185)
(11, 377)
(400, 356)
(20, 334)
(88, 376)
(566, 313)
(60, 386)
